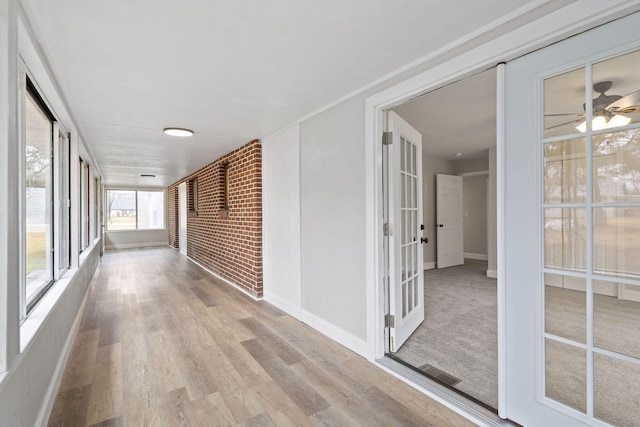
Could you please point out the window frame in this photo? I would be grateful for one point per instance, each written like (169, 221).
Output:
(137, 222)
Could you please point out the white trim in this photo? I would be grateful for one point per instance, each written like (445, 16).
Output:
(429, 265)
(441, 394)
(337, 334)
(493, 274)
(480, 257)
(282, 304)
(134, 245)
(227, 281)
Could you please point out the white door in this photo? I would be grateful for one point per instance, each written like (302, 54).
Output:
(449, 224)
(182, 217)
(406, 294)
(572, 209)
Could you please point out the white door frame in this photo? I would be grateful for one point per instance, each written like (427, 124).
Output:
(570, 20)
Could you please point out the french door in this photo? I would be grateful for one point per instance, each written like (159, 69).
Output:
(572, 218)
(406, 272)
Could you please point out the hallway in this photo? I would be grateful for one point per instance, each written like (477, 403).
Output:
(163, 342)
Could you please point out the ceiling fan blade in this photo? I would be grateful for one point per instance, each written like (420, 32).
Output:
(626, 104)
(563, 124)
(565, 114)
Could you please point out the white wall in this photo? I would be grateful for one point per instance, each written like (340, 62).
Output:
(281, 219)
(474, 205)
(332, 203)
(9, 315)
(135, 238)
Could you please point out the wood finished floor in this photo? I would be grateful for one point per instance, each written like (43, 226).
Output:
(164, 343)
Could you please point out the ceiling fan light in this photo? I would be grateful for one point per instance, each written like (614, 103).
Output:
(178, 132)
(618, 120)
(582, 127)
(598, 123)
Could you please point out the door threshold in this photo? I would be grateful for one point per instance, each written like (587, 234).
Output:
(451, 399)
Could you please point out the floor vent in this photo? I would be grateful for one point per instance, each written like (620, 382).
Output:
(442, 376)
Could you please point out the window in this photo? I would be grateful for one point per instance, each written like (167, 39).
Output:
(135, 210)
(192, 196)
(38, 196)
(85, 222)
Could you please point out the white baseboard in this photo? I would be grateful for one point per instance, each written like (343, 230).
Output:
(227, 281)
(471, 255)
(337, 334)
(134, 245)
(287, 306)
(429, 265)
(630, 294)
(492, 274)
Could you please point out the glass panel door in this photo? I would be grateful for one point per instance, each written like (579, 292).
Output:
(591, 211)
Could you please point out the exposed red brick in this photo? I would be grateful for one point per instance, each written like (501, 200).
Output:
(227, 242)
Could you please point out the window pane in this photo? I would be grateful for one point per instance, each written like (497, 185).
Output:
(121, 210)
(564, 238)
(38, 197)
(566, 374)
(565, 171)
(563, 103)
(616, 318)
(616, 237)
(616, 167)
(619, 79)
(565, 307)
(616, 392)
(150, 209)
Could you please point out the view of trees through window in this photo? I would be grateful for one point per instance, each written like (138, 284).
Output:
(38, 199)
(135, 210)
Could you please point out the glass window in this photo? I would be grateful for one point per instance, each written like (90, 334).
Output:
(150, 209)
(38, 237)
(131, 210)
(121, 210)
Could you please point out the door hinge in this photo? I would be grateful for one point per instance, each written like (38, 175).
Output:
(387, 138)
(388, 229)
(389, 321)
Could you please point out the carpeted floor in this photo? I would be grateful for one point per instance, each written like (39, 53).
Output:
(459, 334)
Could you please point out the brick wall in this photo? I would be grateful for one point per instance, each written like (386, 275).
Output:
(226, 241)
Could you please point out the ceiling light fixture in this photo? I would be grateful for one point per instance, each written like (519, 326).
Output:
(178, 132)
(601, 122)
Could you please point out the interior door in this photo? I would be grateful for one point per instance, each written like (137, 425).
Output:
(449, 226)
(182, 217)
(572, 182)
(405, 236)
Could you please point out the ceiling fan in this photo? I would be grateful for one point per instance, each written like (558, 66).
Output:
(608, 110)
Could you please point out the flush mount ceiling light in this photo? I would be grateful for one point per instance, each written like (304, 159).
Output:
(178, 132)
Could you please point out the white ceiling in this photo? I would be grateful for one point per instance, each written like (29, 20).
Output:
(232, 71)
(458, 118)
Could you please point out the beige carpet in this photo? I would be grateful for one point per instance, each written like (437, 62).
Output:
(459, 334)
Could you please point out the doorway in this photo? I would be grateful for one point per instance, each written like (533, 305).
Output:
(456, 343)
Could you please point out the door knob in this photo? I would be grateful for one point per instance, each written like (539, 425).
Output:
(424, 240)
(440, 225)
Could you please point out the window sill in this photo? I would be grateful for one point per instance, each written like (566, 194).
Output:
(137, 230)
(38, 315)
